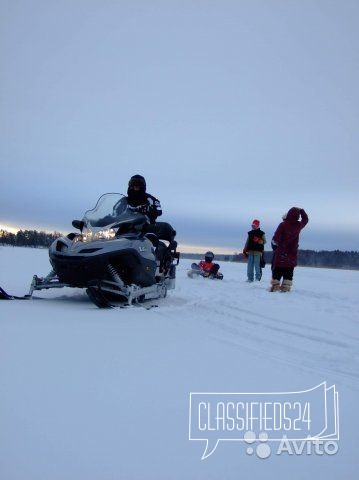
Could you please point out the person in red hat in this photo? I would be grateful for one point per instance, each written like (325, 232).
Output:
(253, 250)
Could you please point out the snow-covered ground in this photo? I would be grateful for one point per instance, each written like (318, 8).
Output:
(90, 394)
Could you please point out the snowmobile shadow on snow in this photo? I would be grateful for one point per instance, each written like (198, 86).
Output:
(79, 297)
(118, 257)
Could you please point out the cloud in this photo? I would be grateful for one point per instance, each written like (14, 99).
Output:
(230, 113)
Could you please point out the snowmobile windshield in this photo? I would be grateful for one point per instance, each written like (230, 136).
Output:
(111, 208)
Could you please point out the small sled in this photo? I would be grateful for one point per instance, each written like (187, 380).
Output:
(196, 272)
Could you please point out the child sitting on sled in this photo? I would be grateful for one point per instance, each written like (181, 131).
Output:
(207, 268)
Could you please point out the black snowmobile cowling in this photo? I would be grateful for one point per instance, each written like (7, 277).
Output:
(111, 234)
(116, 255)
(78, 263)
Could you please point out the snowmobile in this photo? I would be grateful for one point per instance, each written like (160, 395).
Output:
(196, 271)
(117, 256)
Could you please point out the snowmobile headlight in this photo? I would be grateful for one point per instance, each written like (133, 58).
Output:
(78, 238)
(87, 235)
(105, 234)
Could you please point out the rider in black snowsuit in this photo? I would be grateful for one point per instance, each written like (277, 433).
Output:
(142, 201)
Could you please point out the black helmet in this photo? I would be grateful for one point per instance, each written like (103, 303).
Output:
(209, 256)
(137, 180)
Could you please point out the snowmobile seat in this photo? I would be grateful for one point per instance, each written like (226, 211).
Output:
(163, 230)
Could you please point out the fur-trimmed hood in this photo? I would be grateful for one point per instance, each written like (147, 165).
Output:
(293, 215)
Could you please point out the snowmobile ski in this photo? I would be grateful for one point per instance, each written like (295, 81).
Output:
(5, 296)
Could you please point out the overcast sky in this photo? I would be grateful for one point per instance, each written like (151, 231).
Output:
(232, 110)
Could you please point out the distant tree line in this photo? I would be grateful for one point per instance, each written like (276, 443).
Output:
(333, 259)
(306, 258)
(28, 238)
